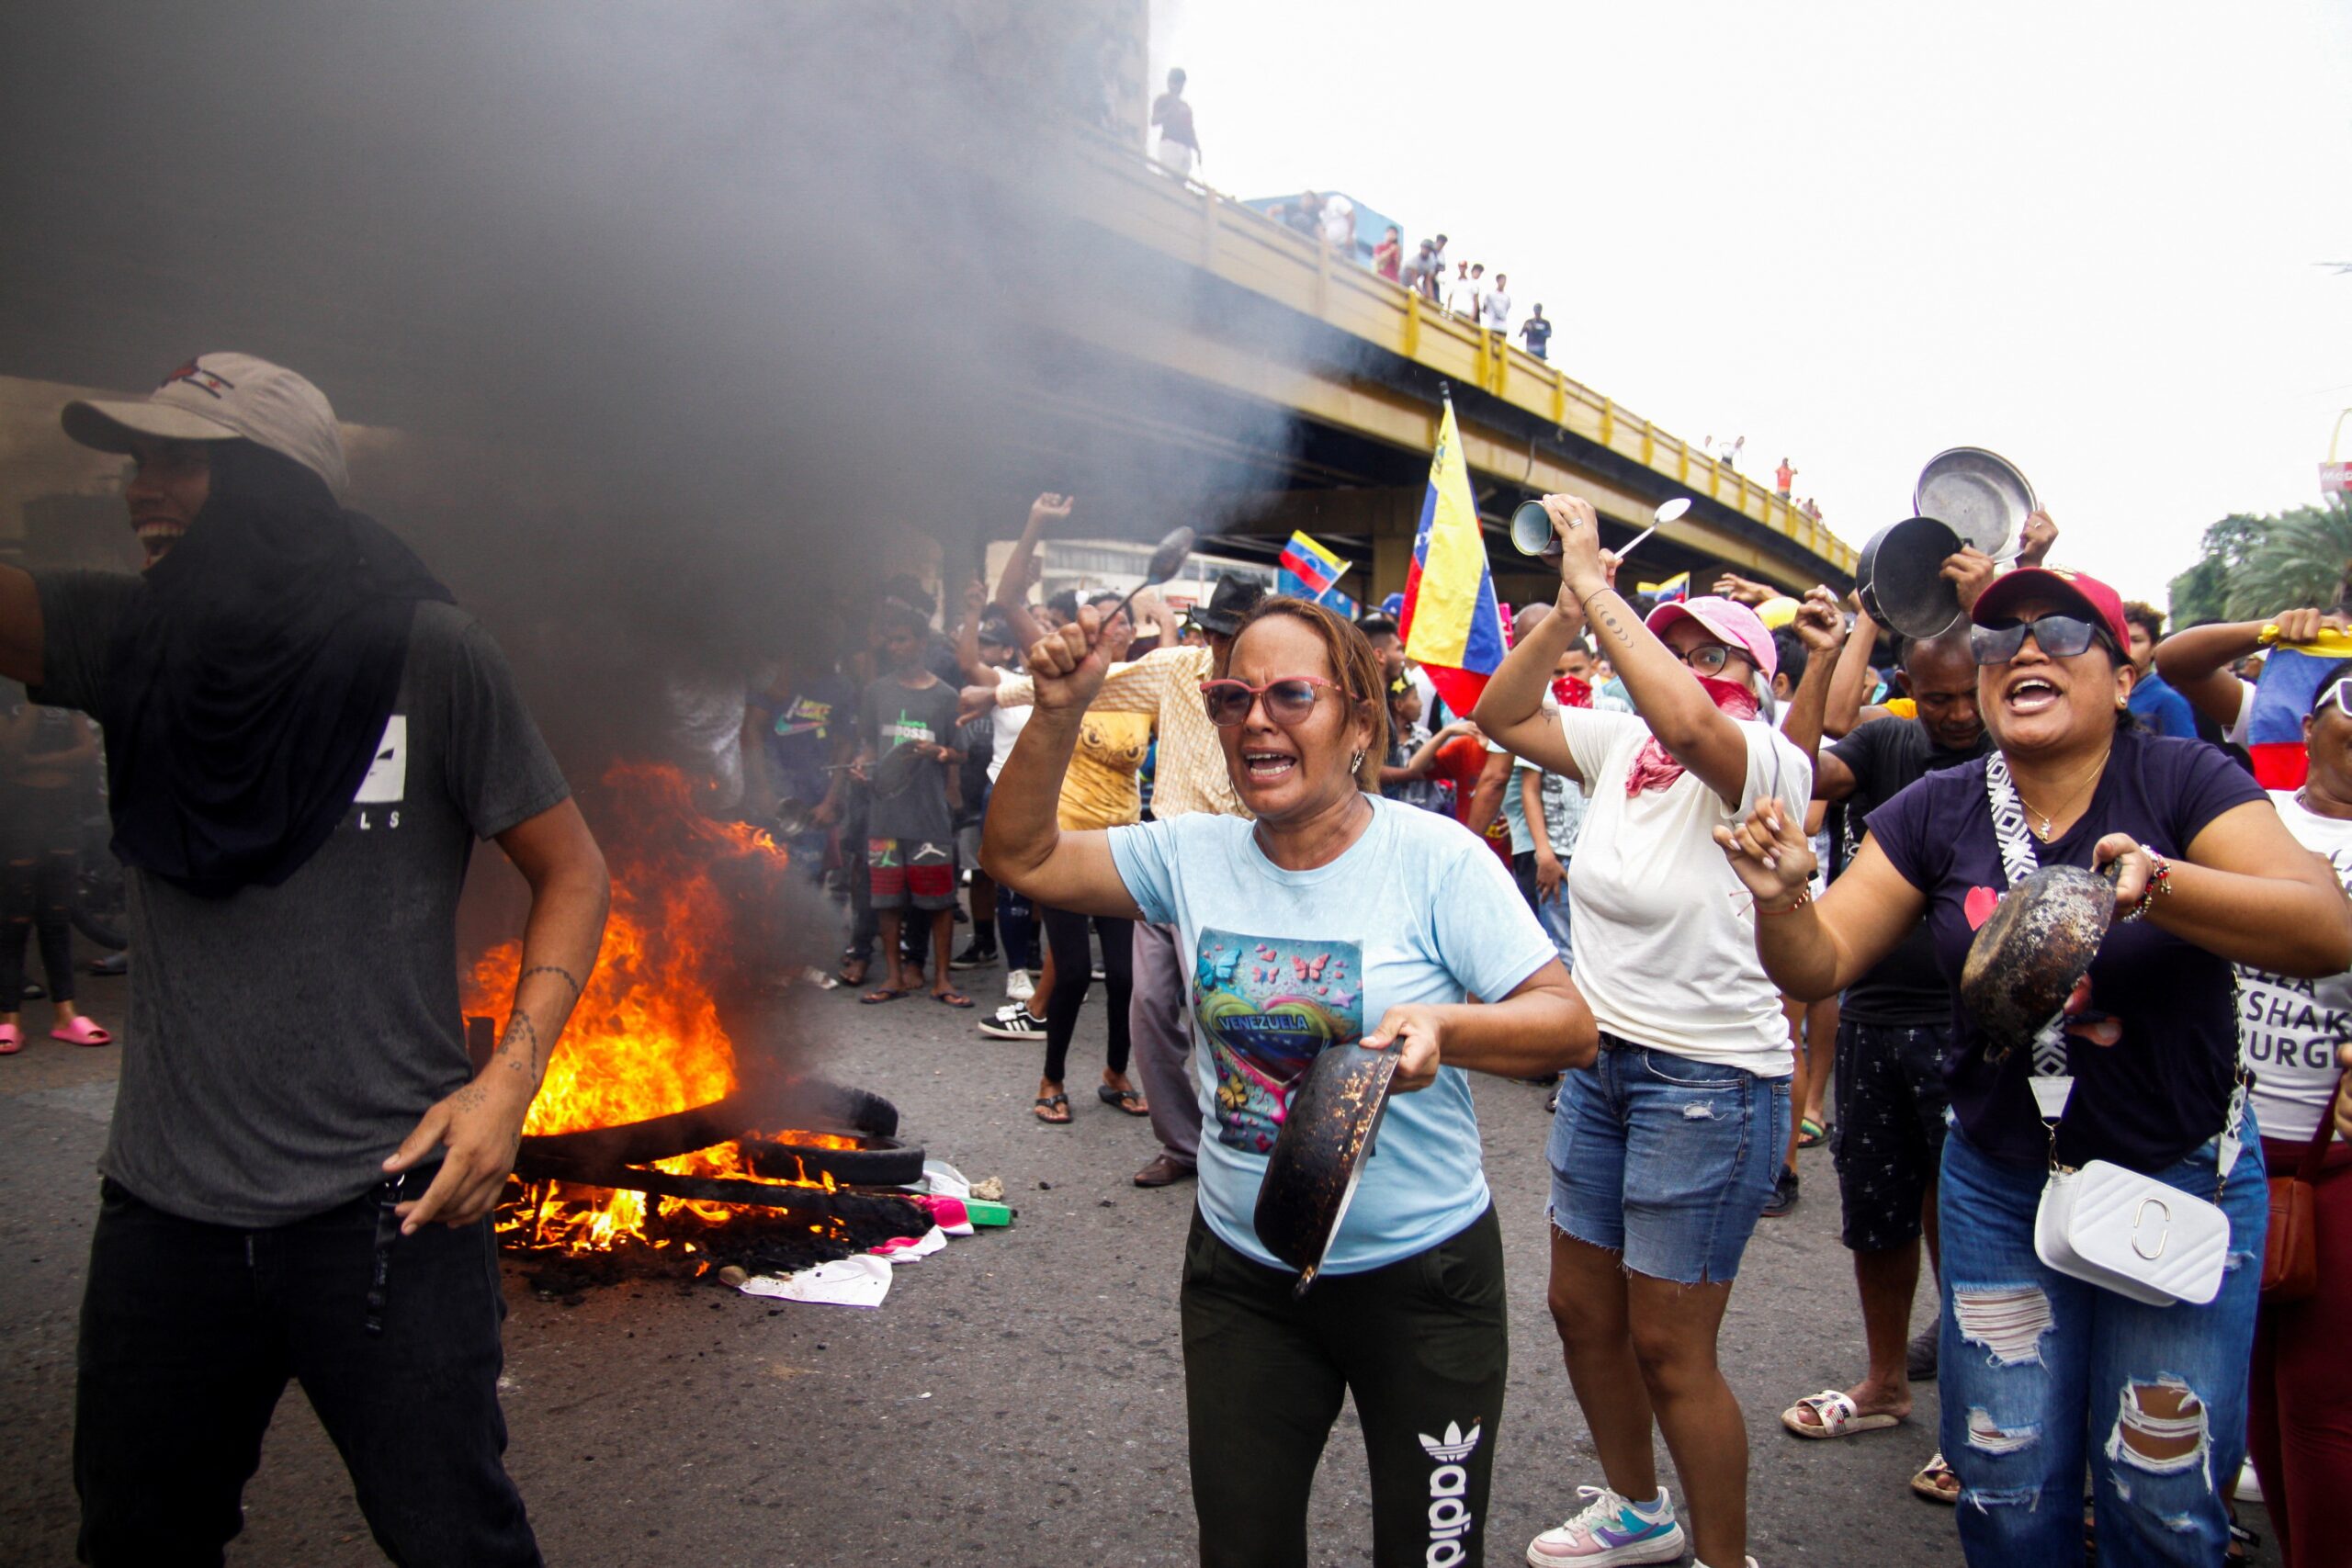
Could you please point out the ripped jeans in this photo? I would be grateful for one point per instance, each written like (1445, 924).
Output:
(2043, 1373)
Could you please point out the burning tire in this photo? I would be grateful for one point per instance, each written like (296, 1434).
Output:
(872, 1162)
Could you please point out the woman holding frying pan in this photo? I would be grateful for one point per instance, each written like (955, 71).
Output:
(2045, 1372)
(1334, 916)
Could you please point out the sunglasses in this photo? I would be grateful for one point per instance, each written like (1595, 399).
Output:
(2058, 636)
(2340, 694)
(1289, 699)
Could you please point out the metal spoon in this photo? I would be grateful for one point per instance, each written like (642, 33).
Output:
(1166, 562)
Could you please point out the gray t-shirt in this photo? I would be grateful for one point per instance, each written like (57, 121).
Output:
(890, 716)
(283, 1041)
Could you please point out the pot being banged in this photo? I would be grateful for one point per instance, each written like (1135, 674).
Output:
(2040, 941)
(1319, 1156)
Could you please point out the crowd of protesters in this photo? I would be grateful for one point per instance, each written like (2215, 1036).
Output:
(1634, 868)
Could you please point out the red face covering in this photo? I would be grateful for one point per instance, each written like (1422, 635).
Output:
(1571, 693)
(1655, 768)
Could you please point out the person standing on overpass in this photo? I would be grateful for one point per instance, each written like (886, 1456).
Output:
(1179, 144)
(303, 739)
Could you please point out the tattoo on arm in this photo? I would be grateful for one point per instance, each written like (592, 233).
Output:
(556, 969)
(523, 1033)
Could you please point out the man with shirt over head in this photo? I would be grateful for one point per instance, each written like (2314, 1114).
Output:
(302, 1158)
(1894, 1028)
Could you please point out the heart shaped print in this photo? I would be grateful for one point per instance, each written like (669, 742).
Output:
(1979, 907)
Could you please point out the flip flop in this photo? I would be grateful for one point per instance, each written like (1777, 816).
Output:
(884, 994)
(1126, 1100)
(1834, 1417)
(951, 998)
(11, 1040)
(1935, 1481)
(1811, 1134)
(1045, 1102)
(81, 1031)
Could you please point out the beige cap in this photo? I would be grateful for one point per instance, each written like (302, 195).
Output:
(222, 397)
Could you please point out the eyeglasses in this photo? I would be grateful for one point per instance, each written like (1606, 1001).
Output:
(1709, 657)
(2058, 636)
(1289, 699)
(2340, 694)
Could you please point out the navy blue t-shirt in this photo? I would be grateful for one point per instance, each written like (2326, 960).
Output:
(2161, 1089)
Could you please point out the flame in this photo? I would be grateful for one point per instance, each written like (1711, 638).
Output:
(645, 1038)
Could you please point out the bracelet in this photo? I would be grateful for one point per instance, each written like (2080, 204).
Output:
(2159, 882)
(1804, 897)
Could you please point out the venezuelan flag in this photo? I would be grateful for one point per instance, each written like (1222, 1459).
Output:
(1451, 624)
(1290, 584)
(1673, 590)
(2290, 678)
(1312, 564)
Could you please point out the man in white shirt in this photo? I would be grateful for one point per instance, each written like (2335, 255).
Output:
(1462, 291)
(1494, 307)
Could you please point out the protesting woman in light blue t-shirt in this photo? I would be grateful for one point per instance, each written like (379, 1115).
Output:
(1332, 909)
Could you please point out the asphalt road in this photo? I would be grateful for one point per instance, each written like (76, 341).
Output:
(1017, 1400)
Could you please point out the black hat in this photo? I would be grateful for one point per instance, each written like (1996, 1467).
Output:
(1233, 598)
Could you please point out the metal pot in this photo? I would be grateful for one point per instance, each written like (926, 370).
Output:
(1318, 1155)
(1864, 565)
(2040, 939)
(1980, 495)
(1906, 578)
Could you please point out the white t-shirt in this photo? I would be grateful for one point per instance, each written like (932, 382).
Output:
(1339, 224)
(1665, 934)
(1285, 964)
(1494, 309)
(1461, 295)
(1008, 723)
(2289, 1028)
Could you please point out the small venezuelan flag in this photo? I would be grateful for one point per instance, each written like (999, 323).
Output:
(1450, 623)
(2290, 678)
(1673, 590)
(1312, 564)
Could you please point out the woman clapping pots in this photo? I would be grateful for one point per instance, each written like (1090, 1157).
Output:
(2045, 1372)
(1664, 1151)
(1334, 916)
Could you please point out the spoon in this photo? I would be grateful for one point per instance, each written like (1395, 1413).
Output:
(1166, 562)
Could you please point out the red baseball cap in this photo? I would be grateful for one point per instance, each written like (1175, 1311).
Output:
(2100, 602)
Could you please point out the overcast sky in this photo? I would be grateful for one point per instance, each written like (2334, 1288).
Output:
(1859, 233)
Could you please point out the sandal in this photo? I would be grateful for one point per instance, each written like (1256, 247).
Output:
(1834, 1416)
(884, 994)
(1935, 1481)
(951, 998)
(1126, 1100)
(80, 1031)
(1811, 1134)
(11, 1040)
(1046, 1103)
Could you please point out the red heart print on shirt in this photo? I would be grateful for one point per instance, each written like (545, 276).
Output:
(1979, 906)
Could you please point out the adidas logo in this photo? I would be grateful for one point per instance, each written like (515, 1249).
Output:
(1454, 1448)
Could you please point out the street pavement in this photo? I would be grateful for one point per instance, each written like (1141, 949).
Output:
(1017, 1400)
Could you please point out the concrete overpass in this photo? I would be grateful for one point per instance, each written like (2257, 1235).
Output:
(1360, 362)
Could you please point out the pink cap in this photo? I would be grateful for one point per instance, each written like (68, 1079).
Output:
(1733, 623)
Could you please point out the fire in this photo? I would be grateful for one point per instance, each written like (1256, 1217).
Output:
(646, 1039)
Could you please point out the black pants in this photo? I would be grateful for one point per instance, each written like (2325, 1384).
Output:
(190, 1331)
(1074, 970)
(1522, 872)
(38, 830)
(1420, 1344)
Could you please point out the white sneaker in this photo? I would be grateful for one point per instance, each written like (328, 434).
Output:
(1611, 1531)
(1018, 986)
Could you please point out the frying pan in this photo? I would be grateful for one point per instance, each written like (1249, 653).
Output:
(1906, 578)
(1318, 1155)
(1980, 495)
(2040, 939)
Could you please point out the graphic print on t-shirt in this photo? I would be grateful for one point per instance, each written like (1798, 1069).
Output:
(1269, 1007)
(387, 780)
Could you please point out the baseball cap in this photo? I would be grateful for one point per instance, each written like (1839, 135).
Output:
(1738, 626)
(223, 397)
(2072, 588)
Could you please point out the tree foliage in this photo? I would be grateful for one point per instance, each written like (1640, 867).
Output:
(2253, 568)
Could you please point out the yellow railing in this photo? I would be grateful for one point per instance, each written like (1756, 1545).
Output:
(1253, 252)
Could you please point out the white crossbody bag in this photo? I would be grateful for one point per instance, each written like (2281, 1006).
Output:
(2103, 1224)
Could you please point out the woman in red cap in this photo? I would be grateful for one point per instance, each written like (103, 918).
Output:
(2045, 1372)
(1664, 1151)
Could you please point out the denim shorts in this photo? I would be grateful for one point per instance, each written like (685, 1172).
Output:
(1665, 1160)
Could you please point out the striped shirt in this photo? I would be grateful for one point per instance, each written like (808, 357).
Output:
(1166, 683)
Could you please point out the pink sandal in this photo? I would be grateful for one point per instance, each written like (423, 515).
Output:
(81, 1031)
(11, 1040)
